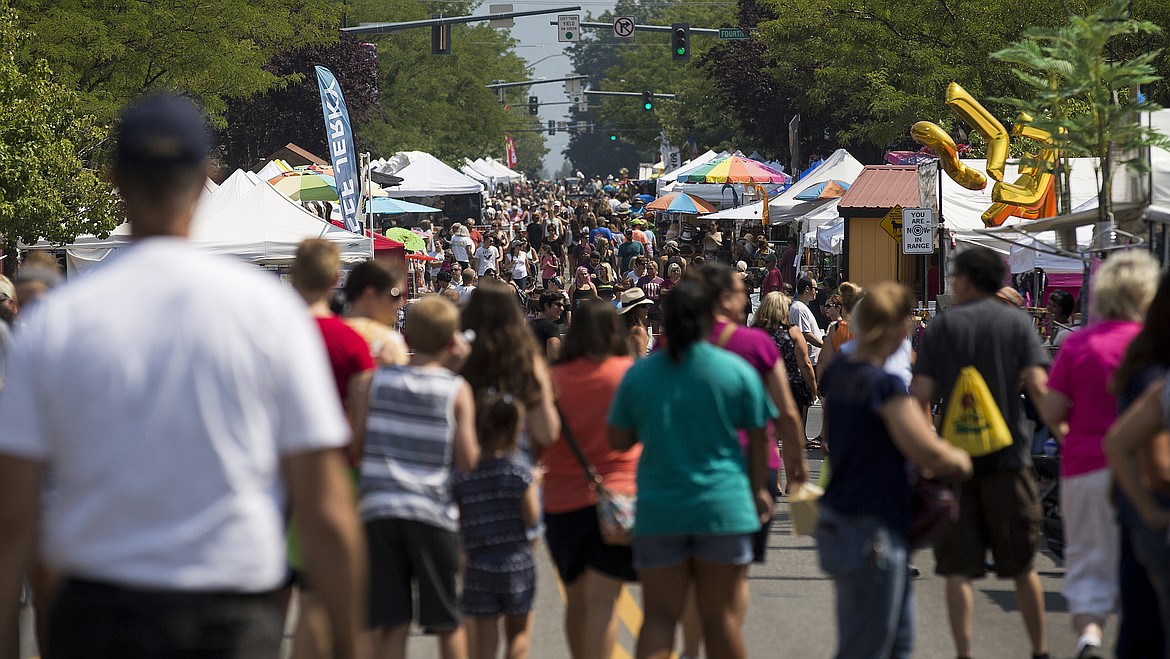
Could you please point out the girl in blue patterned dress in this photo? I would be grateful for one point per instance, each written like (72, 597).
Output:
(497, 503)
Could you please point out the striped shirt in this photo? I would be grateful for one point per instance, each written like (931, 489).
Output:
(407, 468)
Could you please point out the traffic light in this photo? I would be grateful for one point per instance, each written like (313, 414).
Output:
(533, 105)
(680, 41)
(612, 137)
(647, 101)
(440, 39)
(552, 127)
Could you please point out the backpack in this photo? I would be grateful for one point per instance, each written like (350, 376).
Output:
(973, 421)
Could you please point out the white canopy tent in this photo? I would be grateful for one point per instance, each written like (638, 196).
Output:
(840, 166)
(424, 175)
(265, 227)
(509, 175)
(665, 181)
(830, 237)
(246, 218)
(467, 170)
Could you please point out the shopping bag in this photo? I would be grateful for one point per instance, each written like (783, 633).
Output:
(973, 421)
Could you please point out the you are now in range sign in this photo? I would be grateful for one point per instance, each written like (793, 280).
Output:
(917, 231)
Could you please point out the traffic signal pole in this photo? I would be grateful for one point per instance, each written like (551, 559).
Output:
(386, 28)
(649, 28)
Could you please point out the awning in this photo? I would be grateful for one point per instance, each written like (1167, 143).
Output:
(1127, 215)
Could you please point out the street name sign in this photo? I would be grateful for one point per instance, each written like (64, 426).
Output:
(917, 231)
(568, 28)
(733, 34)
(892, 223)
(501, 22)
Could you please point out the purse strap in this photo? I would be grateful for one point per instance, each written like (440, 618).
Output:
(591, 475)
(725, 335)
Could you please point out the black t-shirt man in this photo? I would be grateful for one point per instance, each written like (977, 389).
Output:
(535, 232)
(998, 340)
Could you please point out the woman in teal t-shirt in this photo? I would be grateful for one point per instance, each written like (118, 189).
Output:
(699, 499)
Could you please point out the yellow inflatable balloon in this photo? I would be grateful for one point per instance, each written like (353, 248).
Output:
(1032, 194)
(1035, 180)
(977, 117)
(928, 134)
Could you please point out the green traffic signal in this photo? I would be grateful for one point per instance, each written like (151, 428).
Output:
(648, 106)
(613, 138)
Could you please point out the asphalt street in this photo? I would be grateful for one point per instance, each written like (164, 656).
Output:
(791, 610)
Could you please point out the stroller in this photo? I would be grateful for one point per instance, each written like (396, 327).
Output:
(1047, 471)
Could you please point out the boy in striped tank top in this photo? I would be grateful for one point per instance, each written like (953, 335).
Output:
(419, 427)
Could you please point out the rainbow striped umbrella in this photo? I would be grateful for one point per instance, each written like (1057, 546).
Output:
(735, 169)
(313, 185)
(680, 202)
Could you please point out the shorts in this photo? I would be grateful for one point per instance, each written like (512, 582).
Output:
(402, 552)
(999, 511)
(574, 540)
(503, 586)
(659, 551)
(98, 620)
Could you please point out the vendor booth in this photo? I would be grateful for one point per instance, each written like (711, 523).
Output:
(872, 252)
(428, 181)
(243, 218)
(785, 207)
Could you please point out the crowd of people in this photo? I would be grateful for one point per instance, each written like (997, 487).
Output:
(186, 444)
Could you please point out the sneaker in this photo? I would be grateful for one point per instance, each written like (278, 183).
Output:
(1091, 651)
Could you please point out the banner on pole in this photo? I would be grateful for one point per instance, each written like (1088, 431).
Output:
(339, 135)
(509, 151)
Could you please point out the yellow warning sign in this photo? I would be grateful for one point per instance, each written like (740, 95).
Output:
(892, 223)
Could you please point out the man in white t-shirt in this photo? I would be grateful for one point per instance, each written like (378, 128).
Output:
(181, 401)
(802, 316)
(486, 257)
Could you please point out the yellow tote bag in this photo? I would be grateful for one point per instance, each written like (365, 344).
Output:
(973, 421)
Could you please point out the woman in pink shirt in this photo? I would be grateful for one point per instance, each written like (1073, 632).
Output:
(1081, 408)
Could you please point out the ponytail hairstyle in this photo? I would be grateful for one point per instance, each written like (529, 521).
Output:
(880, 315)
(686, 317)
(850, 295)
(498, 422)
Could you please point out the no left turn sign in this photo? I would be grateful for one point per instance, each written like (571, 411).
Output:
(623, 26)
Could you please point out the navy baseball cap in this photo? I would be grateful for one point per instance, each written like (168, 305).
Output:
(163, 129)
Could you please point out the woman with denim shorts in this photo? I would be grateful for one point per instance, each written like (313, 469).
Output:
(700, 499)
(876, 431)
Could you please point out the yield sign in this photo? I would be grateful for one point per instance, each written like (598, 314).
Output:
(892, 223)
(623, 26)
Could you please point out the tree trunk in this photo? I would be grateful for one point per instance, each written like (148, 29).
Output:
(8, 265)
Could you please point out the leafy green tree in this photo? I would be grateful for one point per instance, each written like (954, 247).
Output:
(440, 103)
(49, 184)
(1081, 93)
(644, 63)
(111, 51)
(262, 123)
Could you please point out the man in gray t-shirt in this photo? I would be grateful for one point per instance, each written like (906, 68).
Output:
(998, 508)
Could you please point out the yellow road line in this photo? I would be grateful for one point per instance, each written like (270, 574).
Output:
(629, 613)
